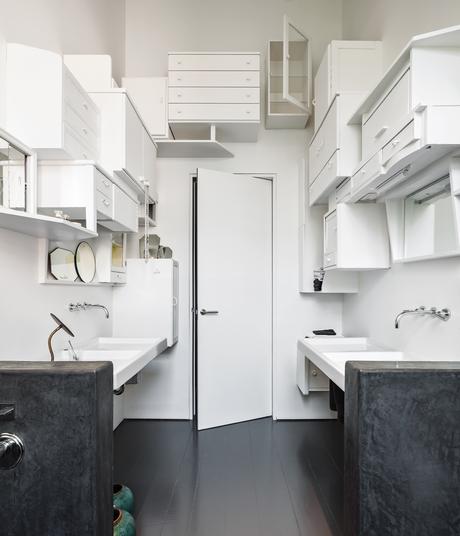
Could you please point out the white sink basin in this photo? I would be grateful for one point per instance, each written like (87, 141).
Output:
(129, 356)
(331, 354)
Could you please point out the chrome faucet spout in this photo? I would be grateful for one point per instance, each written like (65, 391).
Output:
(443, 314)
(84, 306)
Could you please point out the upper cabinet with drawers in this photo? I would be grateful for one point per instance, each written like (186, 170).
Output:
(127, 148)
(221, 89)
(347, 70)
(347, 66)
(47, 108)
(412, 115)
(289, 80)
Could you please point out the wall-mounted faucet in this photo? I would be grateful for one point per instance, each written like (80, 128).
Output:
(84, 306)
(442, 314)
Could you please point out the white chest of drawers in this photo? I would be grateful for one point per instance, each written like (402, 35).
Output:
(221, 89)
(47, 108)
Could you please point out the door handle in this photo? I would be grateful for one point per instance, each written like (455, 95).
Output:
(205, 312)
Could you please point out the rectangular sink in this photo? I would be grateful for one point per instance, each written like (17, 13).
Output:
(128, 355)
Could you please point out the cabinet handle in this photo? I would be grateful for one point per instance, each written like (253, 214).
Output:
(248, 63)
(363, 172)
(179, 63)
(248, 79)
(248, 95)
(179, 94)
(85, 156)
(179, 79)
(85, 132)
(394, 143)
(313, 102)
(106, 184)
(381, 132)
(179, 111)
(106, 203)
(248, 111)
(85, 106)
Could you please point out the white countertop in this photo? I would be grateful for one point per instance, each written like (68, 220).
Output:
(128, 355)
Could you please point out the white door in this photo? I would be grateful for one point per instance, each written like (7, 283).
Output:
(233, 298)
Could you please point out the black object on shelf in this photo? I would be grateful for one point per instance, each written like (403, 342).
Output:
(324, 332)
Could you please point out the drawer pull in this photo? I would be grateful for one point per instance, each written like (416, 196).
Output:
(85, 106)
(248, 95)
(248, 79)
(106, 184)
(395, 143)
(179, 79)
(179, 111)
(248, 111)
(248, 63)
(363, 172)
(85, 132)
(179, 94)
(179, 63)
(106, 203)
(85, 156)
(381, 132)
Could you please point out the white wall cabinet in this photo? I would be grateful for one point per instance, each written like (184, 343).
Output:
(346, 66)
(86, 193)
(411, 117)
(191, 112)
(334, 151)
(289, 80)
(150, 96)
(110, 251)
(127, 148)
(47, 108)
(356, 237)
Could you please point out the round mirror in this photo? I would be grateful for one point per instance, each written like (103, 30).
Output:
(85, 262)
(62, 264)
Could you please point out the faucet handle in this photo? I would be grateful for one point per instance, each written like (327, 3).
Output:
(421, 308)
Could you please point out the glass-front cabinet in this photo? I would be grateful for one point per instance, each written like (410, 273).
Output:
(13, 176)
(289, 79)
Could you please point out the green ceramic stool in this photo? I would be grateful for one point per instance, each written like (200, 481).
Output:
(123, 523)
(123, 498)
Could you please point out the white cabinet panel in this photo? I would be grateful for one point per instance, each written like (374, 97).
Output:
(134, 137)
(385, 121)
(214, 112)
(125, 211)
(325, 142)
(213, 62)
(149, 162)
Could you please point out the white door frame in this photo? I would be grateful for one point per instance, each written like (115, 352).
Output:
(274, 178)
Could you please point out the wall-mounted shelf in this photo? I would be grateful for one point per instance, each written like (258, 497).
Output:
(192, 149)
(43, 226)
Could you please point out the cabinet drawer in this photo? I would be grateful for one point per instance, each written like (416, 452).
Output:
(214, 112)
(325, 180)
(325, 142)
(227, 95)
(75, 147)
(104, 205)
(366, 173)
(214, 79)
(213, 62)
(118, 277)
(81, 102)
(125, 211)
(88, 136)
(103, 184)
(386, 119)
(401, 140)
(343, 192)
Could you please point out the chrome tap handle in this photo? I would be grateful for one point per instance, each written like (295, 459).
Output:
(11, 451)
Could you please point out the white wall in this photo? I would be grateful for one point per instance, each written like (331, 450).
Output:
(395, 21)
(154, 27)
(66, 26)
(384, 294)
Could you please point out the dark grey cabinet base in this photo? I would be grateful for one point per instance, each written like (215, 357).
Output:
(63, 414)
(402, 449)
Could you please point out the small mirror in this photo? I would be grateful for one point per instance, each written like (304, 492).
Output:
(62, 264)
(13, 177)
(85, 262)
(429, 221)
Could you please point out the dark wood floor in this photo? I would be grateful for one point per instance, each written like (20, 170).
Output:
(259, 478)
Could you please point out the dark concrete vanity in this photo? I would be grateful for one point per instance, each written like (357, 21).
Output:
(62, 413)
(402, 449)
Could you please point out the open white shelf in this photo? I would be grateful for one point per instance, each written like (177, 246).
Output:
(192, 149)
(42, 226)
(74, 283)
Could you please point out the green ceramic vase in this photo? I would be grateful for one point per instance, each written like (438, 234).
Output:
(123, 523)
(123, 498)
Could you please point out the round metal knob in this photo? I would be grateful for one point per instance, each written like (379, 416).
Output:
(11, 451)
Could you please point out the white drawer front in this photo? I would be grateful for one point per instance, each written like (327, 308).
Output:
(325, 142)
(75, 147)
(213, 62)
(81, 102)
(400, 141)
(366, 173)
(104, 205)
(325, 180)
(214, 112)
(228, 95)
(125, 211)
(384, 123)
(103, 184)
(87, 135)
(214, 79)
